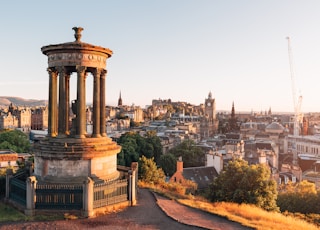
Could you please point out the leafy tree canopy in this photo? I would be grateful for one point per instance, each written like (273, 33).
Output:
(301, 197)
(242, 183)
(168, 163)
(191, 154)
(134, 146)
(14, 140)
(149, 172)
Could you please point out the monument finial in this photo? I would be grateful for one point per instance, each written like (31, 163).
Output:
(77, 33)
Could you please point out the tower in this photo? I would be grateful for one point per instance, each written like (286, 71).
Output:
(120, 100)
(209, 123)
(210, 107)
(233, 120)
(71, 155)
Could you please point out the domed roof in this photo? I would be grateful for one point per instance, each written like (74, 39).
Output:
(275, 127)
(76, 53)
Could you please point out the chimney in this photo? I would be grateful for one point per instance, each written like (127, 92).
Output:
(180, 165)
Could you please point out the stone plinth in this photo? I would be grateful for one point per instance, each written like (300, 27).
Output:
(72, 160)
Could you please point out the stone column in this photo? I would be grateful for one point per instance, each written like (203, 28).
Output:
(103, 103)
(96, 103)
(67, 79)
(81, 102)
(62, 102)
(52, 118)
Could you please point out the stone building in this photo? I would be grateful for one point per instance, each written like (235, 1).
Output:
(202, 176)
(39, 118)
(8, 158)
(24, 119)
(135, 113)
(8, 121)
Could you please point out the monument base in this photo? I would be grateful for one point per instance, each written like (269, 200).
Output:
(73, 160)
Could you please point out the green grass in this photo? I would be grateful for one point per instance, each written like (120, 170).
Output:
(10, 214)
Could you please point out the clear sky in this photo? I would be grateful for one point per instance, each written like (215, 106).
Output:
(177, 49)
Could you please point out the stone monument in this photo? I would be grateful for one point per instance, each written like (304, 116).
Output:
(68, 154)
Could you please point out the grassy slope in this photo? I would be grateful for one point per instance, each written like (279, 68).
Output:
(245, 214)
(250, 215)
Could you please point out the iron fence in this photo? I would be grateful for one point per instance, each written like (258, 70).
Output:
(17, 190)
(110, 193)
(59, 196)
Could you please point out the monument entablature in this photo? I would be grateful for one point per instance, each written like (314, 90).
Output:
(76, 53)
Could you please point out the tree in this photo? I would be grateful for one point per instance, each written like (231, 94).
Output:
(149, 172)
(301, 197)
(134, 146)
(155, 145)
(191, 154)
(168, 163)
(242, 183)
(14, 140)
(129, 149)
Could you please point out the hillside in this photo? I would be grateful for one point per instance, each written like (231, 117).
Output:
(18, 101)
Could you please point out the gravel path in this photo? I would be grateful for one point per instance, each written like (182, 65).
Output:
(147, 214)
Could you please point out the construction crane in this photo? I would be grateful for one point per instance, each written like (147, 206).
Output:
(296, 105)
(296, 101)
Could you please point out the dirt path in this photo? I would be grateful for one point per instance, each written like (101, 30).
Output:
(191, 216)
(146, 215)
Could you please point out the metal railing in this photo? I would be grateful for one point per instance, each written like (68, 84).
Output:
(18, 190)
(59, 196)
(109, 193)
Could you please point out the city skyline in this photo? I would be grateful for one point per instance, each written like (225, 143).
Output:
(179, 50)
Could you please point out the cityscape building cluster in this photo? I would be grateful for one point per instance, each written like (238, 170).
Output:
(256, 137)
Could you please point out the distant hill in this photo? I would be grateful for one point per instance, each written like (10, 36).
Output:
(18, 101)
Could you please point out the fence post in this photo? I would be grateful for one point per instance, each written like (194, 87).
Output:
(133, 183)
(88, 198)
(130, 186)
(9, 174)
(30, 196)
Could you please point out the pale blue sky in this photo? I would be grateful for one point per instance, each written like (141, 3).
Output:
(177, 49)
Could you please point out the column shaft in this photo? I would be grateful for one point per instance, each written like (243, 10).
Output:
(103, 103)
(67, 110)
(81, 102)
(62, 102)
(96, 103)
(52, 127)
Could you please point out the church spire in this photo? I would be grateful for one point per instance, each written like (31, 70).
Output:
(120, 100)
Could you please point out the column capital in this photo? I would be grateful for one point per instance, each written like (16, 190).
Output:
(97, 72)
(81, 69)
(103, 73)
(52, 71)
(62, 70)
